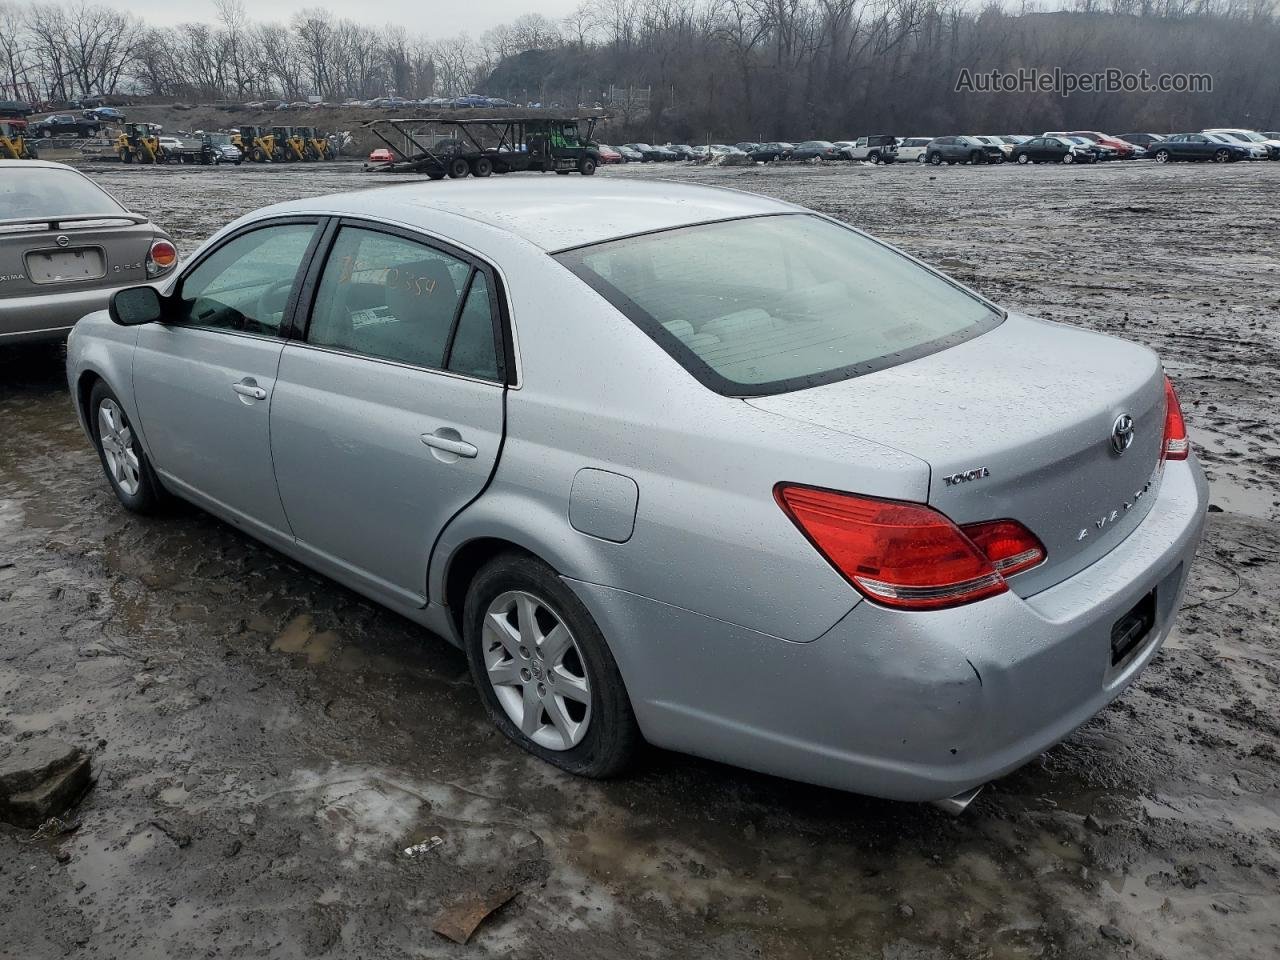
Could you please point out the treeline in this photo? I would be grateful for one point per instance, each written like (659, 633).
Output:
(692, 69)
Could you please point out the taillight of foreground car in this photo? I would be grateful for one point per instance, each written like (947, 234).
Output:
(1176, 446)
(907, 555)
(161, 257)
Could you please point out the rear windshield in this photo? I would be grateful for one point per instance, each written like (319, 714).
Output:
(48, 192)
(770, 304)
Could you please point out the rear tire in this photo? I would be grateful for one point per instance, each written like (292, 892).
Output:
(508, 656)
(123, 461)
(458, 168)
(481, 167)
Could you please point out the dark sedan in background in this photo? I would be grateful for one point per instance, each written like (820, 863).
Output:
(1052, 150)
(65, 246)
(1198, 146)
(648, 152)
(817, 150)
(775, 150)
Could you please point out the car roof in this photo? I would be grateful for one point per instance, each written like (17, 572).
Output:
(549, 213)
(47, 164)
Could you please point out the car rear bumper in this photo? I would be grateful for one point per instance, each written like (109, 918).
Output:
(45, 317)
(910, 706)
(49, 316)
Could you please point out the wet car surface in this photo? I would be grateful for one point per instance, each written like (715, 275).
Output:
(267, 743)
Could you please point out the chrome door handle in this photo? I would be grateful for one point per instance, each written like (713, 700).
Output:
(449, 444)
(249, 389)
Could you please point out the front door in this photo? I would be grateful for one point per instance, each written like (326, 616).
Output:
(388, 414)
(203, 380)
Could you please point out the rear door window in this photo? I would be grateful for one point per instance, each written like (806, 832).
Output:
(387, 297)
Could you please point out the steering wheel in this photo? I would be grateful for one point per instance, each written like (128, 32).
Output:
(270, 301)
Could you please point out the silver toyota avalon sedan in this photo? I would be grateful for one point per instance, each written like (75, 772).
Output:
(672, 463)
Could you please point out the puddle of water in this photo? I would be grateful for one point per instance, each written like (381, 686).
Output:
(1234, 496)
(301, 637)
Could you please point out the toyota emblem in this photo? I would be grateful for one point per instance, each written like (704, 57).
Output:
(63, 240)
(1122, 433)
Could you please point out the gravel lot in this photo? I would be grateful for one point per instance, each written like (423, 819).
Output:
(267, 743)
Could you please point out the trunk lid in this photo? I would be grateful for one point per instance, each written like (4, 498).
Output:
(1016, 423)
(36, 259)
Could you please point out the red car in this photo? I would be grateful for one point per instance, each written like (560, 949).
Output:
(381, 155)
(608, 154)
(1123, 148)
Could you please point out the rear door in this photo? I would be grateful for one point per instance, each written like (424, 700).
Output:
(203, 382)
(389, 407)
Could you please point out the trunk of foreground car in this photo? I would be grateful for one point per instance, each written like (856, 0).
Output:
(36, 260)
(1016, 424)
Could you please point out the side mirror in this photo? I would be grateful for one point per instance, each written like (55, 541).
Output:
(136, 305)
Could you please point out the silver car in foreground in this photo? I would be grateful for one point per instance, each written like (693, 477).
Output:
(65, 246)
(671, 463)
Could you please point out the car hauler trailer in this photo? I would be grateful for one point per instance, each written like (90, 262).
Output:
(446, 146)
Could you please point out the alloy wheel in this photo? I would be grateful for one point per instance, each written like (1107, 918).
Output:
(117, 447)
(536, 670)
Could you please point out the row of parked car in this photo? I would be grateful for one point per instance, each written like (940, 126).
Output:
(1221, 145)
(1065, 146)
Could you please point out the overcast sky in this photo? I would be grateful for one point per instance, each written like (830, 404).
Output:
(436, 18)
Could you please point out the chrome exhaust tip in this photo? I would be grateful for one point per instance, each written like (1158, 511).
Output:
(959, 803)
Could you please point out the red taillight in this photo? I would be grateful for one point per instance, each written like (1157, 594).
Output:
(161, 257)
(1176, 446)
(1009, 545)
(905, 554)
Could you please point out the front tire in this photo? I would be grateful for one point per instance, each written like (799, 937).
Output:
(1222, 156)
(586, 166)
(544, 671)
(936, 159)
(1163, 156)
(123, 460)
(1024, 158)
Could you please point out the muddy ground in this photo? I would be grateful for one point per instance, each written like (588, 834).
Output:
(267, 742)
